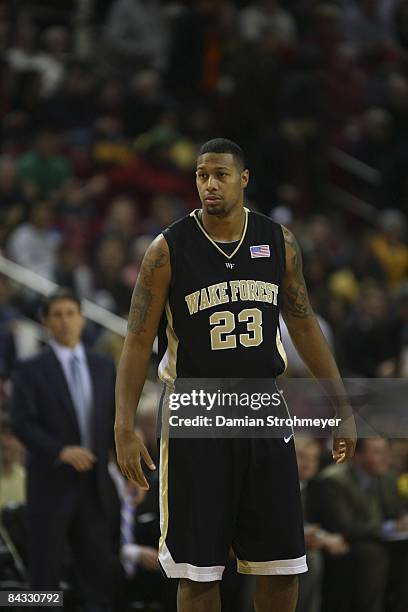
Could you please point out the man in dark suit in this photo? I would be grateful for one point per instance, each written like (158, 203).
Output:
(63, 410)
(319, 542)
(360, 500)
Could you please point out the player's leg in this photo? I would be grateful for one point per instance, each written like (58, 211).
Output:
(276, 593)
(269, 541)
(198, 596)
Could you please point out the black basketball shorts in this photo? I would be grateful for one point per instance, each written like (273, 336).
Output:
(218, 494)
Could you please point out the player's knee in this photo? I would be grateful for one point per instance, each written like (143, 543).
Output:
(197, 587)
(277, 584)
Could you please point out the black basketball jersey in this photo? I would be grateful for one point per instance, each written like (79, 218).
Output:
(222, 315)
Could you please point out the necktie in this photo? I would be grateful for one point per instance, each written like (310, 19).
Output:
(81, 405)
(127, 523)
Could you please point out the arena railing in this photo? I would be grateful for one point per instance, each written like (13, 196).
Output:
(352, 203)
(43, 286)
(361, 171)
(355, 166)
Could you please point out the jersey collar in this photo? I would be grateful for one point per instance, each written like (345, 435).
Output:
(194, 214)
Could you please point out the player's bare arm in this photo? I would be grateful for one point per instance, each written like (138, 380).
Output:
(148, 301)
(311, 345)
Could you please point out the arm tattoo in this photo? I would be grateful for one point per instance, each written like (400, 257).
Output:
(142, 294)
(295, 298)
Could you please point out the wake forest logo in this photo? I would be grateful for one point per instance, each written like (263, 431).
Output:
(232, 291)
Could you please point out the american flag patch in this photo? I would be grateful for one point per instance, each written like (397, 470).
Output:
(260, 250)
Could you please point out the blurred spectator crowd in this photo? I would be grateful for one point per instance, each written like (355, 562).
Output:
(103, 106)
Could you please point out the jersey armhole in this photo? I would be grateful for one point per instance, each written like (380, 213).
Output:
(283, 249)
(172, 252)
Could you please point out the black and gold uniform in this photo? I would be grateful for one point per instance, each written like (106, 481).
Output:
(222, 321)
(223, 308)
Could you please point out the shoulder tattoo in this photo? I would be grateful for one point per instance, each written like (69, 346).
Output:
(142, 294)
(295, 298)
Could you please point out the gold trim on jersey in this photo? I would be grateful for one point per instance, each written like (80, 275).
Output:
(167, 373)
(163, 476)
(167, 370)
(281, 348)
(194, 215)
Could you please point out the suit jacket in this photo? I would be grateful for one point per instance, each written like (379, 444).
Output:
(340, 504)
(44, 419)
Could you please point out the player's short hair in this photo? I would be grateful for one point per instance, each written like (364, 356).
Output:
(57, 295)
(223, 145)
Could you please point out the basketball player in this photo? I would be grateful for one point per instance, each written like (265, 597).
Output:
(219, 277)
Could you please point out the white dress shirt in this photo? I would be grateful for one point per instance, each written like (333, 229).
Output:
(64, 355)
